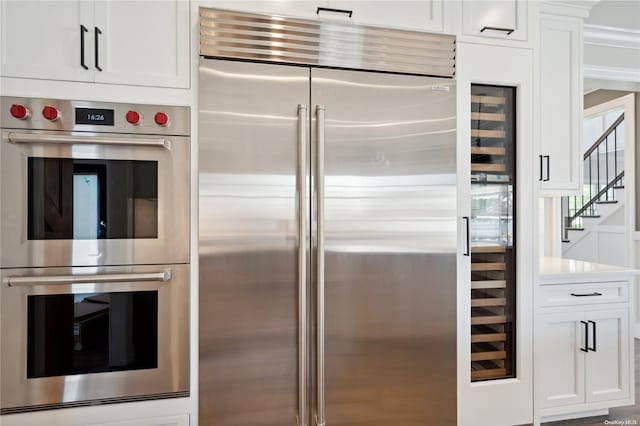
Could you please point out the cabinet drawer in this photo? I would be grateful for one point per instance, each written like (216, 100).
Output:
(584, 294)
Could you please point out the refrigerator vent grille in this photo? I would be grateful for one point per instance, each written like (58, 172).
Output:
(235, 35)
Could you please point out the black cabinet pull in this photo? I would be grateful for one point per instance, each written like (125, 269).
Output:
(541, 160)
(595, 293)
(329, 9)
(506, 30)
(548, 168)
(586, 337)
(594, 337)
(83, 30)
(468, 247)
(96, 43)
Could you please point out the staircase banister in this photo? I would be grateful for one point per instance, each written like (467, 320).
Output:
(596, 197)
(604, 136)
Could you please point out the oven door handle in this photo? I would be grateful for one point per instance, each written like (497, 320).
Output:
(87, 279)
(91, 140)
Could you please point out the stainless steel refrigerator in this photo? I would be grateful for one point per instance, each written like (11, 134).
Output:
(328, 241)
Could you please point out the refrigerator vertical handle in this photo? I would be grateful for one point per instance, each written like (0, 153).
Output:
(320, 374)
(302, 264)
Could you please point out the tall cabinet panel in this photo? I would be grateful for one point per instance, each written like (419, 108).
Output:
(495, 103)
(249, 284)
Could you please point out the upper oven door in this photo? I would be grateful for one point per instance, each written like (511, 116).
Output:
(85, 199)
(73, 335)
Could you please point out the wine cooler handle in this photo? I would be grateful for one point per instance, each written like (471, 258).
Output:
(302, 264)
(467, 251)
(586, 337)
(594, 337)
(320, 415)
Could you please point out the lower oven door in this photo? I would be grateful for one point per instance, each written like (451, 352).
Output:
(73, 336)
(91, 199)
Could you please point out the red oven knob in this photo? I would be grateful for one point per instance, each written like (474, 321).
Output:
(161, 119)
(133, 117)
(20, 112)
(50, 113)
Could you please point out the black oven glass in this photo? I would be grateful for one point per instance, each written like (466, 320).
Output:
(91, 333)
(84, 199)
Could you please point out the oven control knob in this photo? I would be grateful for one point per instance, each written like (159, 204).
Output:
(20, 112)
(133, 117)
(50, 113)
(161, 119)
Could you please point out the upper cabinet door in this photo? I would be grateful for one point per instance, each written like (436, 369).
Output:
(502, 19)
(424, 15)
(293, 8)
(561, 99)
(45, 39)
(143, 43)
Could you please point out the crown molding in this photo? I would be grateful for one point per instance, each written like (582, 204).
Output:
(612, 73)
(577, 9)
(601, 35)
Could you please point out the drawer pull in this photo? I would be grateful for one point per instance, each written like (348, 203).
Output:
(332, 10)
(505, 30)
(595, 293)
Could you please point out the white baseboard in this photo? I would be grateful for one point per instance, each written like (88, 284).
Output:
(559, 417)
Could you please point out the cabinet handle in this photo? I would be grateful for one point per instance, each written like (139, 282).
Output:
(595, 293)
(329, 9)
(548, 168)
(467, 251)
(586, 337)
(96, 42)
(594, 337)
(541, 160)
(83, 30)
(504, 30)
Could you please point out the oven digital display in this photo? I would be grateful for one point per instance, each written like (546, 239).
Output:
(97, 117)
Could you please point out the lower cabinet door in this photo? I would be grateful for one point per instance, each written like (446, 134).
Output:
(561, 360)
(608, 360)
(182, 420)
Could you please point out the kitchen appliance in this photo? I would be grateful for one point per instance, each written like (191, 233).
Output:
(91, 335)
(93, 183)
(492, 234)
(328, 228)
(94, 253)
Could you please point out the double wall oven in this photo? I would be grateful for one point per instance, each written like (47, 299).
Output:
(94, 252)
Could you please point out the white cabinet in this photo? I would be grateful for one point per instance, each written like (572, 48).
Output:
(44, 39)
(583, 357)
(294, 8)
(561, 359)
(415, 15)
(496, 19)
(142, 43)
(561, 102)
(424, 15)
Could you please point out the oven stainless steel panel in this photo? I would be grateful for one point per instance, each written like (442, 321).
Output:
(390, 248)
(172, 242)
(171, 374)
(250, 136)
(178, 125)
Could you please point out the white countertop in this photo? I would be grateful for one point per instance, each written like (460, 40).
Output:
(557, 269)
